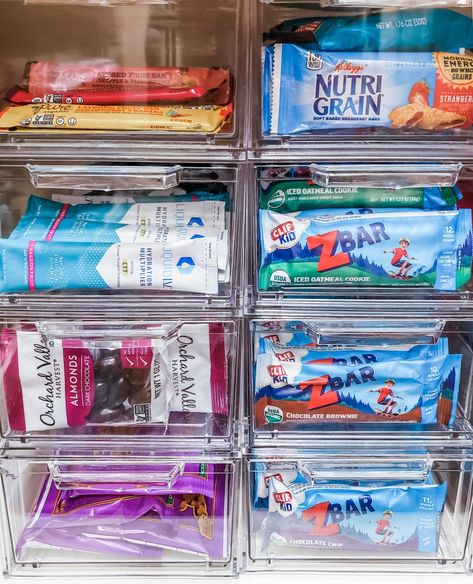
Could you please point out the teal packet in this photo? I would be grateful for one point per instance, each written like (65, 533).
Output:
(171, 212)
(399, 30)
(187, 266)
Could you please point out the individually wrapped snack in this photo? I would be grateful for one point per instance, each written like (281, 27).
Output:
(41, 228)
(43, 78)
(196, 478)
(402, 30)
(56, 509)
(187, 266)
(393, 249)
(167, 118)
(301, 195)
(385, 391)
(339, 356)
(288, 473)
(172, 213)
(370, 519)
(18, 96)
(306, 90)
(51, 384)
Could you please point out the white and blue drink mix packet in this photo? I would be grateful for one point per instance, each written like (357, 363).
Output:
(173, 243)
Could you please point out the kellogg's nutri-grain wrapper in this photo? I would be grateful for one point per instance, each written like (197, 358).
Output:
(305, 89)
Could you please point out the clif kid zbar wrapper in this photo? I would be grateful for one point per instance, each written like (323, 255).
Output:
(53, 79)
(166, 118)
(339, 356)
(306, 90)
(396, 249)
(186, 266)
(169, 212)
(302, 195)
(372, 519)
(406, 30)
(384, 391)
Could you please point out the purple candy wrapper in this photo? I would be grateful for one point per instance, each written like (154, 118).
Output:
(136, 525)
(84, 540)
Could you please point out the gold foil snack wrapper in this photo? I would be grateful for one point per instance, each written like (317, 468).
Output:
(202, 119)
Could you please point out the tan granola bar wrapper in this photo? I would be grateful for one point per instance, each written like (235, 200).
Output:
(202, 119)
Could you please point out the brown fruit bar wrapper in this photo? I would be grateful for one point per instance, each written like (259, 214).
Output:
(203, 119)
(43, 78)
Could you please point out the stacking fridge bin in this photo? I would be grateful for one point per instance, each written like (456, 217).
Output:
(370, 511)
(173, 69)
(98, 513)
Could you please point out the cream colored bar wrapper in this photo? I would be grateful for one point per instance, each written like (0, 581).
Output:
(205, 119)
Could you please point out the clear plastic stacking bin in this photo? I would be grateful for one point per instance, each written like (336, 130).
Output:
(368, 285)
(204, 201)
(94, 513)
(72, 57)
(326, 381)
(360, 512)
(301, 108)
(172, 381)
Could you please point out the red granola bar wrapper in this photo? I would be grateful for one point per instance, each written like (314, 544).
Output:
(43, 78)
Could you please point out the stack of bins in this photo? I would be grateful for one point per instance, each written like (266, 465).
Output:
(360, 400)
(120, 341)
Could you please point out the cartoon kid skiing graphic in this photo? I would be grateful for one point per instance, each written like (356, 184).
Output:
(386, 397)
(383, 527)
(400, 259)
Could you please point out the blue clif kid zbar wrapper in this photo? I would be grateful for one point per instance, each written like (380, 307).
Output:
(373, 519)
(385, 391)
(293, 475)
(294, 354)
(188, 266)
(415, 248)
(307, 90)
(406, 30)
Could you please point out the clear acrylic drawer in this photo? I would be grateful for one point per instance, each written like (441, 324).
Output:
(335, 77)
(288, 204)
(341, 381)
(189, 213)
(94, 513)
(358, 511)
(167, 381)
(109, 80)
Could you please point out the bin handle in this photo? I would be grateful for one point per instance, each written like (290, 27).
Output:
(104, 178)
(316, 471)
(77, 476)
(391, 176)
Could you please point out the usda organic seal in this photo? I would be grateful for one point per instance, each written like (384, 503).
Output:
(273, 415)
(277, 199)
